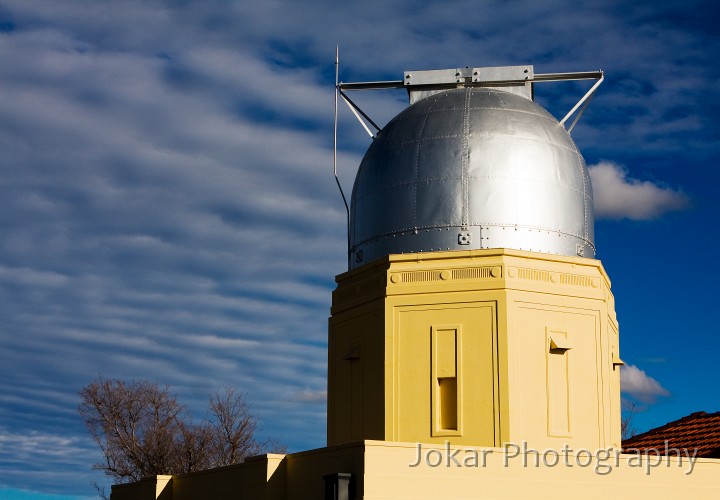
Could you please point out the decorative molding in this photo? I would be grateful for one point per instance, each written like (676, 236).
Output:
(554, 277)
(368, 285)
(492, 272)
(467, 273)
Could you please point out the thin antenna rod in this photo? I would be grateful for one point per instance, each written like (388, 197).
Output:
(336, 115)
(342, 193)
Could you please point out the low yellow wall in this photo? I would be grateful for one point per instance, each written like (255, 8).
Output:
(384, 470)
(257, 478)
(159, 487)
(507, 475)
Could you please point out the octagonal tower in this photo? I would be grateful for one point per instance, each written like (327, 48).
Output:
(473, 311)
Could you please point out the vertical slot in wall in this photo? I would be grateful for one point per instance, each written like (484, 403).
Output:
(448, 403)
(446, 391)
(558, 384)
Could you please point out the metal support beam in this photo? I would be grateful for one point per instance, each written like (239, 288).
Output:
(586, 100)
(358, 112)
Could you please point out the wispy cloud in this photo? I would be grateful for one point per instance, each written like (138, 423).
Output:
(638, 384)
(50, 458)
(34, 443)
(617, 196)
(308, 395)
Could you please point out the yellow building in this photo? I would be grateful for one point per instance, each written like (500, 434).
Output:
(476, 347)
(473, 346)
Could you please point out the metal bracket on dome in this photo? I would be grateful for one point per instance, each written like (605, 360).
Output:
(358, 112)
(582, 103)
(517, 79)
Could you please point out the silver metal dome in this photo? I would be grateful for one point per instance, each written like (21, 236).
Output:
(471, 168)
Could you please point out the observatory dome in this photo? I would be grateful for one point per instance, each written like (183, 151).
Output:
(471, 168)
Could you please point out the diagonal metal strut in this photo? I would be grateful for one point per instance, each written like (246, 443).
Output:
(359, 112)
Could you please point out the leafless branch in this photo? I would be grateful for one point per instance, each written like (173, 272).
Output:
(142, 430)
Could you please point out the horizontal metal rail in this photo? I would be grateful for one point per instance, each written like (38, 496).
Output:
(371, 85)
(556, 77)
(540, 77)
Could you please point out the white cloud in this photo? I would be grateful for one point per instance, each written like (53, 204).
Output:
(640, 385)
(617, 196)
(308, 395)
(35, 443)
(54, 458)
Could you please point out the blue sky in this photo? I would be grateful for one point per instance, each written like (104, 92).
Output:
(168, 211)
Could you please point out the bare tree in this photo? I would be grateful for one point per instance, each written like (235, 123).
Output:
(142, 430)
(234, 427)
(626, 428)
(195, 447)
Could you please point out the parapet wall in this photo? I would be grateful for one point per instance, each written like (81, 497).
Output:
(385, 470)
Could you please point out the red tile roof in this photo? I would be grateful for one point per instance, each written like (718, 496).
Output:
(698, 430)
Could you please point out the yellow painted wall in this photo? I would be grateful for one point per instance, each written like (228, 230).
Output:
(258, 477)
(158, 487)
(479, 347)
(384, 471)
(507, 475)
